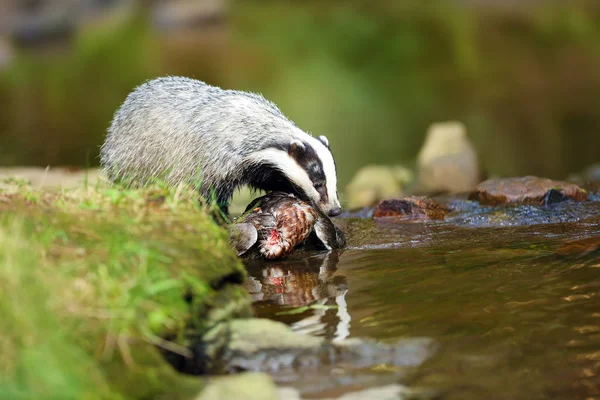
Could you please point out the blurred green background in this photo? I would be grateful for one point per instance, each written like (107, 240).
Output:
(371, 75)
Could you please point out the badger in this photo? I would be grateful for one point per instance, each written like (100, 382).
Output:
(182, 130)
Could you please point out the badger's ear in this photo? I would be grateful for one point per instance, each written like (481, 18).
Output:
(324, 140)
(296, 149)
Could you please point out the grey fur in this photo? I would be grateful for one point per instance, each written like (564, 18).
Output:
(183, 130)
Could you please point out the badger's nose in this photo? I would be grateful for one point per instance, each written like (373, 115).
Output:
(334, 212)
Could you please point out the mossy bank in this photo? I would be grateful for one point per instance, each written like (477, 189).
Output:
(98, 281)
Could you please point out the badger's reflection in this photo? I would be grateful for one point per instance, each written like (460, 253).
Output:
(299, 281)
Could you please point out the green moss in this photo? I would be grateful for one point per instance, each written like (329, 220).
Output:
(93, 280)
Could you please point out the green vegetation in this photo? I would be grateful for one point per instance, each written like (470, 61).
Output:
(94, 280)
(371, 75)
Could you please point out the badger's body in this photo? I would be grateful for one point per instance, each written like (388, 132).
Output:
(183, 130)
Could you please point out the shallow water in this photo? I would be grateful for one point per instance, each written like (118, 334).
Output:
(514, 305)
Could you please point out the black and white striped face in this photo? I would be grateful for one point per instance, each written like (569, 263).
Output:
(316, 175)
(307, 165)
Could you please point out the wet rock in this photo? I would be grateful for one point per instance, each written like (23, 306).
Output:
(526, 190)
(376, 182)
(525, 214)
(414, 207)
(267, 346)
(263, 345)
(247, 386)
(364, 353)
(253, 335)
(314, 364)
(447, 161)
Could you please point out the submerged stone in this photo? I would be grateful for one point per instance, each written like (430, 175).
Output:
(414, 207)
(526, 190)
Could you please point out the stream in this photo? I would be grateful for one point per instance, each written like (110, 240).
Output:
(512, 295)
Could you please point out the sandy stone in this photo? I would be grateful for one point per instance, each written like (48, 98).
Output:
(448, 161)
(414, 207)
(526, 190)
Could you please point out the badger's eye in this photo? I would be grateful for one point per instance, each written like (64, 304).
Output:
(319, 185)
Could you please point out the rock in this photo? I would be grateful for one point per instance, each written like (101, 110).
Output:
(263, 345)
(414, 207)
(253, 335)
(390, 392)
(364, 353)
(247, 386)
(376, 182)
(448, 160)
(526, 190)
(288, 393)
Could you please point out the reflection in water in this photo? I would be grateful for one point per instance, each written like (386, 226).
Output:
(298, 282)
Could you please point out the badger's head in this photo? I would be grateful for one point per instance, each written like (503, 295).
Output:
(316, 163)
(308, 166)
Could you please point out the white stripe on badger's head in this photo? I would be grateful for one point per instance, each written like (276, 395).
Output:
(321, 146)
(281, 161)
(309, 166)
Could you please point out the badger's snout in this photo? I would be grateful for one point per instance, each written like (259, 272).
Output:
(334, 212)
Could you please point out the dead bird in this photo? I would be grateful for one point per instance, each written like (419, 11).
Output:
(275, 224)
